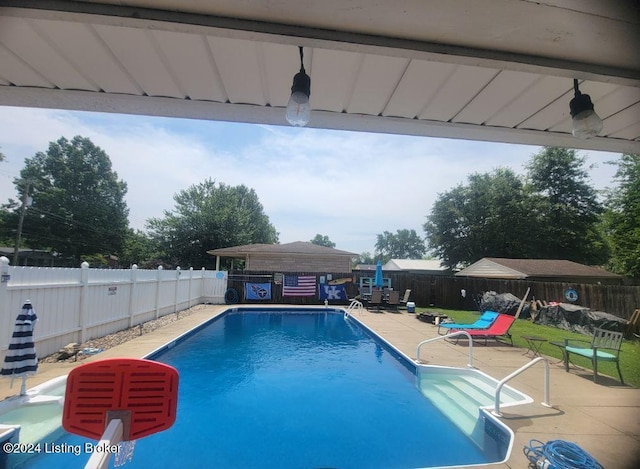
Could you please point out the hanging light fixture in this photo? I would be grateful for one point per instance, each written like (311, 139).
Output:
(586, 123)
(298, 109)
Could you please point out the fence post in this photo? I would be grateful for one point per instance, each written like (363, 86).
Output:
(190, 280)
(132, 292)
(158, 291)
(4, 298)
(202, 286)
(175, 292)
(84, 284)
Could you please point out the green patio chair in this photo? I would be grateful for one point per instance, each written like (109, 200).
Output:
(605, 346)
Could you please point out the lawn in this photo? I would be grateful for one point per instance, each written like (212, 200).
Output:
(629, 356)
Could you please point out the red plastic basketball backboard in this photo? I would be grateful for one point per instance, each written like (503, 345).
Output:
(142, 393)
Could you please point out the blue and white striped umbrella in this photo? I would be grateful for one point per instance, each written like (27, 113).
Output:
(21, 359)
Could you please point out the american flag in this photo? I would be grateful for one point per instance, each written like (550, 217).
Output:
(304, 285)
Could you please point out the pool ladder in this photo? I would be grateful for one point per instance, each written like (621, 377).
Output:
(496, 409)
(354, 305)
(442, 337)
(545, 402)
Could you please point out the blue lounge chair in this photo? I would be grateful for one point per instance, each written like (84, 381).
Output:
(484, 322)
(498, 330)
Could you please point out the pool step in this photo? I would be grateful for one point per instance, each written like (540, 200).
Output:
(458, 398)
(478, 387)
(38, 419)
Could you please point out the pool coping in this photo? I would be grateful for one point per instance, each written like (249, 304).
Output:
(603, 419)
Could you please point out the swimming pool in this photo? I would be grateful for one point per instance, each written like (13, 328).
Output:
(298, 389)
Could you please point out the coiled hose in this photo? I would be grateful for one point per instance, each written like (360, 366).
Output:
(231, 296)
(559, 454)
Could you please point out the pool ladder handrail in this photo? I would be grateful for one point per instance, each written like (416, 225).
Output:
(355, 304)
(545, 402)
(453, 334)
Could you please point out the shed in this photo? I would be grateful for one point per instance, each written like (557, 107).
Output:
(417, 266)
(299, 256)
(544, 270)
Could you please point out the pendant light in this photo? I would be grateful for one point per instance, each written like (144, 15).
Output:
(298, 109)
(586, 123)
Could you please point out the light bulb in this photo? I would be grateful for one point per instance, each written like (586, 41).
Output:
(298, 109)
(586, 124)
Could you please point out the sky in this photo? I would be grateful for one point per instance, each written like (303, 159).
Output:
(349, 186)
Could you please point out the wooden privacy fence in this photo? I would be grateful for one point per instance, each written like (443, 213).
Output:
(239, 279)
(76, 305)
(445, 291)
(618, 300)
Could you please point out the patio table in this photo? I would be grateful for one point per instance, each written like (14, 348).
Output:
(561, 346)
(534, 342)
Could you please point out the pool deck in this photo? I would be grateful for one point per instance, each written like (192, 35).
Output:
(603, 419)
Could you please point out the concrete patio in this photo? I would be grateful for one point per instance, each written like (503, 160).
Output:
(603, 418)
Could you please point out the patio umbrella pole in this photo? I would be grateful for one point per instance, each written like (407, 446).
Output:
(23, 387)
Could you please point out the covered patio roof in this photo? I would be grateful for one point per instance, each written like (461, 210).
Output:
(492, 70)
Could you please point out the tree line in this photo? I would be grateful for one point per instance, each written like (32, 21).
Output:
(551, 213)
(77, 210)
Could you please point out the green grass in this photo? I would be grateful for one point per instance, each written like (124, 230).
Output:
(629, 355)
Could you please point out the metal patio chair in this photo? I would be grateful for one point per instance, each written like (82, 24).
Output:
(605, 346)
(393, 300)
(405, 298)
(375, 300)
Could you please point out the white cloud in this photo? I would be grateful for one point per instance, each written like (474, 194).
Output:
(348, 186)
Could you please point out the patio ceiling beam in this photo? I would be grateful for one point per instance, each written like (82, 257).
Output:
(180, 108)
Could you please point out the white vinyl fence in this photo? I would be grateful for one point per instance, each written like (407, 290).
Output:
(76, 305)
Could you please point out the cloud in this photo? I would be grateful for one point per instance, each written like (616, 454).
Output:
(346, 185)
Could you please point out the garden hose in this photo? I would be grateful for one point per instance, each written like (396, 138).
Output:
(559, 454)
(231, 296)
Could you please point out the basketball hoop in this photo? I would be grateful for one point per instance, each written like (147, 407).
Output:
(118, 401)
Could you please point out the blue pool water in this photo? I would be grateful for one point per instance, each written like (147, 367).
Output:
(293, 390)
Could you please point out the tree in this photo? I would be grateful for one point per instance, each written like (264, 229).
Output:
(405, 244)
(486, 218)
(554, 215)
(567, 211)
(323, 240)
(5, 231)
(623, 217)
(4, 214)
(78, 206)
(209, 216)
(140, 249)
(363, 258)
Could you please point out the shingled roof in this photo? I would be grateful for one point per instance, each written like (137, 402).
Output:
(415, 265)
(297, 247)
(494, 267)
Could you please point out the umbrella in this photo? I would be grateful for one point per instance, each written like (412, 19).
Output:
(21, 360)
(378, 281)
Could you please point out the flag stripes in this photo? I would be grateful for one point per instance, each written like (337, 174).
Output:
(303, 285)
